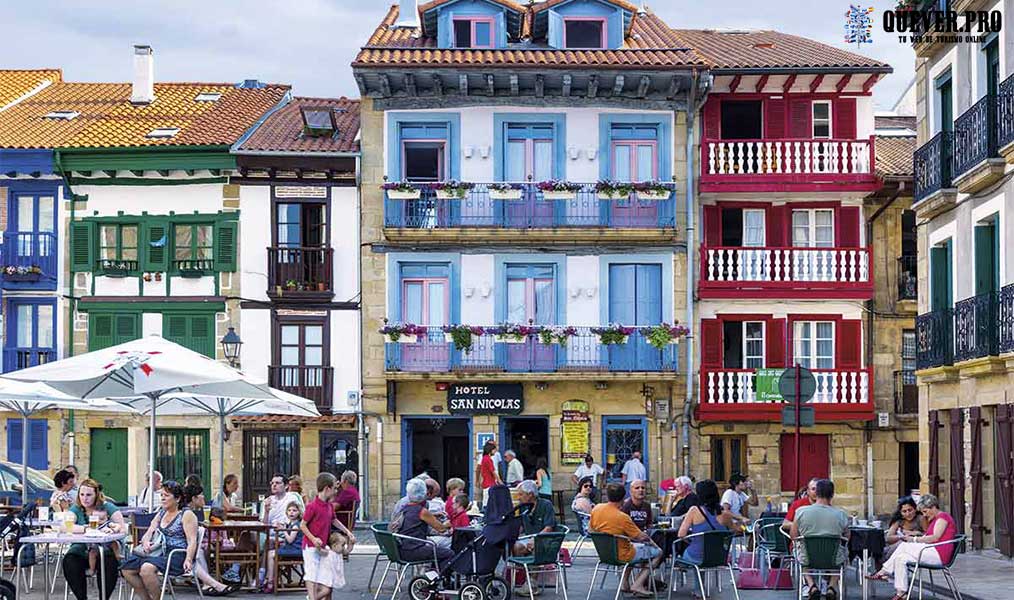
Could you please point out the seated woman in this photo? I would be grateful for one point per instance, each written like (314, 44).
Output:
(906, 521)
(583, 502)
(62, 500)
(416, 521)
(228, 496)
(706, 516)
(178, 529)
(941, 528)
(79, 558)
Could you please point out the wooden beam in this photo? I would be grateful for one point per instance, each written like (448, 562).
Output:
(734, 84)
(438, 85)
(674, 85)
(843, 82)
(643, 86)
(361, 82)
(763, 81)
(788, 83)
(163, 172)
(540, 85)
(136, 173)
(568, 80)
(819, 79)
(870, 81)
(515, 86)
(593, 86)
(463, 84)
(618, 85)
(410, 88)
(490, 86)
(385, 85)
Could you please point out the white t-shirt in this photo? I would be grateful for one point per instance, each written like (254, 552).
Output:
(515, 472)
(585, 471)
(277, 512)
(633, 469)
(735, 500)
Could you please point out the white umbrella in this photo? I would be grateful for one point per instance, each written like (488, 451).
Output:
(144, 370)
(29, 398)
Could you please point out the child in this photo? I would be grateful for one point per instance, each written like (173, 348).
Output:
(221, 537)
(459, 514)
(290, 540)
(322, 569)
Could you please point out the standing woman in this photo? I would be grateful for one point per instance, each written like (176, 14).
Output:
(179, 532)
(228, 498)
(543, 479)
(90, 501)
(488, 476)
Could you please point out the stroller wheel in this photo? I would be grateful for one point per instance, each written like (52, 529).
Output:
(471, 591)
(497, 589)
(421, 588)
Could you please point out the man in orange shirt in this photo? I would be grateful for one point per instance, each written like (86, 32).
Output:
(608, 518)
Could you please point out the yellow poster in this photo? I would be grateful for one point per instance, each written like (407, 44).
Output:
(576, 431)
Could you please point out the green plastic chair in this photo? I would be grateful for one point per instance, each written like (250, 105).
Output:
(380, 556)
(607, 547)
(388, 542)
(717, 547)
(772, 541)
(822, 558)
(918, 567)
(545, 558)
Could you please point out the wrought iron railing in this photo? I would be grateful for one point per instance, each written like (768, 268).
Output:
(975, 135)
(1005, 319)
(908, 281)
(434, 353)
(527, 207)
(975, 331)
(1005, 113)
(906, 392)
(934, 338)
(300, 269)
(311, 382)
(932, 163)
(29, 256)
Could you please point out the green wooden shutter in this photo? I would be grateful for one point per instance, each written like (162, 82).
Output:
(226, 241)
(100, 332)
(985, 259)
(155, 238)
(940, 277)
(202, 334)
(82, 245)
(128, 327)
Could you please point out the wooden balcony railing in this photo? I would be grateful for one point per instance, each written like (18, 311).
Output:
(731, 394)
(310, 382)
(787, 160)
(785, 268)
(298, 271)
(24, 251)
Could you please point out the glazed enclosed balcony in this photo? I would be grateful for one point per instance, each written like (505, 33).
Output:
(528, 212)
(29, 258)
(583, 354)
(732, 271)
(732, 395)
(301, 272)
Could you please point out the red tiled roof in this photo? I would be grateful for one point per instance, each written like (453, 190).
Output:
(283, 130)
(651, 44)
(770, 49)
(349, 420)
(15, 83)
(894, 155)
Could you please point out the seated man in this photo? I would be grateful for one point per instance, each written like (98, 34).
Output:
(609, 518)
(806, 500)
(637, 505)
(540, 519)
(820, 518)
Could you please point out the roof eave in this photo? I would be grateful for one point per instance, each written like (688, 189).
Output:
(297, 153)
(883, 69)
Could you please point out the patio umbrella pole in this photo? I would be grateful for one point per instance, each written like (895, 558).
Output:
(24, 458)
(221, 451)
(151, 456)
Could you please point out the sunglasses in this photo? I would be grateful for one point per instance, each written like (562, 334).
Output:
(586, 486)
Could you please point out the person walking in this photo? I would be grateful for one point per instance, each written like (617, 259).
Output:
(488, 475)
(633, 469)
(543, 479)
(515, 470)
(323, 571)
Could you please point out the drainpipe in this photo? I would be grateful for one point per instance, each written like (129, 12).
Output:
(58, 163)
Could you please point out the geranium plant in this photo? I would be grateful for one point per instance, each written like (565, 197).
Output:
(461, 335)
(398, 186)
(614, 333)
(404, 333)
(504, 191)
(557, 185)
(652, 190)
(451, 189)
(664, 334)
(612, 190)
(513, 332)
(556, 335)
(22, 270)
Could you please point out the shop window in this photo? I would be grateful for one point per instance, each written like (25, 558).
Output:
(728, 456)
(266, 453)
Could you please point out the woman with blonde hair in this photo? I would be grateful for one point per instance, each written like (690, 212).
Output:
(91, 505)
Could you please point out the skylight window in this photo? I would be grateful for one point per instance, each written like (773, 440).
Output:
(62, 115)
(208, 97)
(318, 121)
(163, 132)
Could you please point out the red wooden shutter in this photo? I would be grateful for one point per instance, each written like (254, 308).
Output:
(843, 115)
(1004, 461)
(977, 475)
(934, 452)
(712, 226)
(849, 344)
(774, 343)
(713, 120)
(956, 491)
(800, 119)
(775, 226)
(711, 343)
(815, 453)
(774, 118)
(848, 227)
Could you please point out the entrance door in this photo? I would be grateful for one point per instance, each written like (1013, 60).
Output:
(338, 452)
(531, 298)
(183, 452)
(34, 226)
(426, 302)
(301, 237)
(528, 437)
(635, 299)
(909, 476)
(1004, 464)
(437, 446)
(529, 158)
(107, 450)
(815, 461)
(634, 158)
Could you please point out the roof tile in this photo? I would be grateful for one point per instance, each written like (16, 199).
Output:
(894, 155)
(15, 83)
(283, 130)
(769, 49)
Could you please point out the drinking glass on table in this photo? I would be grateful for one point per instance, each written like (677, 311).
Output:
(93, 521)
(43, 513)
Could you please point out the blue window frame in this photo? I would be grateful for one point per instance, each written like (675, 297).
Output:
(31, 333)
(30, 239)
(531, 294)
(38, 442)
(621, 437)
(636, 133)
(432, 138)
(529, 145)
(429, 265)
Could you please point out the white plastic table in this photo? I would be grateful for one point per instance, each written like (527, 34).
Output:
(47, 539)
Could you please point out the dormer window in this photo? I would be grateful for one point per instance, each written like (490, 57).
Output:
(318, 121)
(474, 33)
(589, 32)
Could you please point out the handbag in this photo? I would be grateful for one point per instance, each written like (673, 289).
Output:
(157, 547)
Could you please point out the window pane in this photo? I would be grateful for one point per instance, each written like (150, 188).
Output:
(800, 228)
(543, 160)
(825, 330)
(290, 335)
(313, 356)
(462, 33)
(45, 326)
(754, 330)
(290, 355)
(413, 303)
(821, 110)
(107, 241)
(735, 453)
(128, 242)
(288, 235)
(516, 305)
(46, 214)
(422, 161)
(621, 162)
(753, 228)
(516, 161)
(25, 325)
(314, 335)
(545, 304)
(26, 213)
(583, 34)
(645, 162)
(483, 35)
(437, 292)
(204, 241)
(183, 239)
(821, 130)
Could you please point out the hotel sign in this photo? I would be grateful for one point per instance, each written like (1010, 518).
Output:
(486, 399)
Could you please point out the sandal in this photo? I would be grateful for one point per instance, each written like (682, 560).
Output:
(878, 576)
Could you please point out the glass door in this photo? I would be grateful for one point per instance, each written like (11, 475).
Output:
(425, 301)
(531, 297)
(34, 225)
(634, 160)
(529, 158)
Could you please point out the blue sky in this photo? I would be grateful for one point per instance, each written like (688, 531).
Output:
(310, 43)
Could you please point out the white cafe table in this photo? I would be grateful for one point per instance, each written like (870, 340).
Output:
(47, 539)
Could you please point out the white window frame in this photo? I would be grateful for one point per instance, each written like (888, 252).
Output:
(764, 224)
(763, 338)
(813, 120)
(811, 226)
(813, 359)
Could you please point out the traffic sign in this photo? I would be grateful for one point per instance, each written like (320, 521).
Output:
(787, 385)
(806, 418)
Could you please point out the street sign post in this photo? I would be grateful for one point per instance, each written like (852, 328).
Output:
(797, 385)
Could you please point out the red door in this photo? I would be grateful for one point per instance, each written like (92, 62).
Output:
(1004, 462)
(815, 450)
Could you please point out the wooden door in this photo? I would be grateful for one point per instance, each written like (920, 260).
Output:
(107, 450)
(1004, 463)
(815, 450)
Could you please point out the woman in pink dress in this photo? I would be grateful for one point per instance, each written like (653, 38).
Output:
(915, 548)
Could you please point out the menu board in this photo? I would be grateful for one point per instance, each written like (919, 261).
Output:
(576, 428)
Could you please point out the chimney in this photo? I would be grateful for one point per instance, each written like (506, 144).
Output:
(409, 21)
(143, 86)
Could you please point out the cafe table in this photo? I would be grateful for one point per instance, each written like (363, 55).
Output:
(236, 530)
(48, 539)
(866, 544)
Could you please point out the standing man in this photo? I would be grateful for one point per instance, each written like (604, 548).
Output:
(633, 469)
(738, 496)
(589, 469)
(515, 471)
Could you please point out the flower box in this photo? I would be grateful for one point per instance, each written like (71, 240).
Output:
(404, 194)
(23, 276)
(612, 196)
(654, 195)
(505, 194)
(622, 342)
(451, 194)
(402, 339)
(558, 195)
(448, 338)
(511, 339)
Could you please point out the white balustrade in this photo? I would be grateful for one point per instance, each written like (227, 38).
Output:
(841, 265)
(790, 157)
(838, 386)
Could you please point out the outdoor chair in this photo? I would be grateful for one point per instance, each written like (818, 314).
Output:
(389, 544)
(770, 538)
(167, 580)
(583, 519)
(607, 548)
(380, 556)
(290, 566)
(918, 567)
(545, 558)
(822, 558)
(244, 554)
(717, 547)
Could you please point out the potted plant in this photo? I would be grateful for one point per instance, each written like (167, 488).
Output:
(557, 335)
(504, 191)
(513, 333)
(461, 336)
(321, 286)
(22, 272)
(558, 190)
(402, 333)
(613, 190)
(451, 190)
(613, 334)
(401, 190)
(664, 334)
(652, 190)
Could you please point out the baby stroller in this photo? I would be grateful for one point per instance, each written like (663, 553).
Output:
(471, 573)
(15, 525)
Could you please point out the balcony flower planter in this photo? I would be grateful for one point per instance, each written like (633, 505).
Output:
(451, 190)
(401, 339)
(558, 336)
(400, 190)
(24, 277)
(21, 273)
(462, 336)
(652, 191)
(510, 333)
(402, 333)
(613, 190)
(664, 335)
(504, 191)
(558, 190)
(192, 273)
(655, 196)
(613, 334)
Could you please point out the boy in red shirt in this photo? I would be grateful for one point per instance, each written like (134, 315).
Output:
(459, 514)
(323, 570)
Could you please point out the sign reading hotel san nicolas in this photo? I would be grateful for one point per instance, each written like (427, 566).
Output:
(485, 399)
